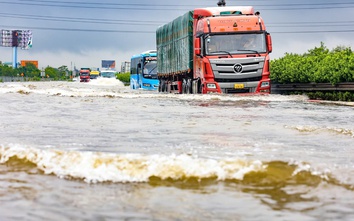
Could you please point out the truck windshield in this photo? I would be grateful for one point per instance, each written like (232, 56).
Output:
(150, 70)
(235, 44)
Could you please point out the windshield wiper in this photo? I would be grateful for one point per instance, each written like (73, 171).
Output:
(152, 69)
(255, 51)
(222, 52)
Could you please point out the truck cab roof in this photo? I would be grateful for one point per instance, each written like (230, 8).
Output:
(228, 10)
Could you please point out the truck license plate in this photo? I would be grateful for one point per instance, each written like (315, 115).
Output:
(239, 86)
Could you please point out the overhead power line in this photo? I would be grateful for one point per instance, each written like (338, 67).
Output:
(154, 23)
(102, 3)
(78, 29)
(81, 19)
(153, 32)
(108, 6)
(174, 5)
(165, 7)
(312, 32)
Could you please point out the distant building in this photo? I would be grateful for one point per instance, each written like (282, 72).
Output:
(24, 63)
(125, 67)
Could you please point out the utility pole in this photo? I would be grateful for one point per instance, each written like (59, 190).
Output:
(221, 3)
(14, 48)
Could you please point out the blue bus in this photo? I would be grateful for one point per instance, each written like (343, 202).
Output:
(143, 71)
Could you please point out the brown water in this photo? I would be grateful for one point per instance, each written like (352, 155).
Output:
(99, 151)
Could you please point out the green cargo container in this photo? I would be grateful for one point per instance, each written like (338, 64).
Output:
(175, 46)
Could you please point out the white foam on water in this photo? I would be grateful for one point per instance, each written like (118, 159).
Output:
(101, 167)
(115, 88)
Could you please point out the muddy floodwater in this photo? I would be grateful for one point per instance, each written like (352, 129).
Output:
(101, 151)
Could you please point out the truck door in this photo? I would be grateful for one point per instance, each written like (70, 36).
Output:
(138, 76)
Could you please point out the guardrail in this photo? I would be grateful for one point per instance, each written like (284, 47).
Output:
(281, 88)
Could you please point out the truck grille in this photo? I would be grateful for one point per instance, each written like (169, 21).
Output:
(238, 80)
(252, 69)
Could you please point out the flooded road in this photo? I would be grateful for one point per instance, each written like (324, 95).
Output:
(100, 151)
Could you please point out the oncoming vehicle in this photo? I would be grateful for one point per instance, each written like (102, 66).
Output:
(94, 74)
(143, 71)
(214, 50)
(108, 74)
(84, 75)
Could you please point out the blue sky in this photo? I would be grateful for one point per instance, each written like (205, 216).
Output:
(82, 33)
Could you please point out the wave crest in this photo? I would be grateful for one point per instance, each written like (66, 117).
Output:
(103, 167)
(93, 167)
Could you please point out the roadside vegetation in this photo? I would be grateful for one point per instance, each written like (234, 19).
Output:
(318, 65)
(124, 77)
(31, 73)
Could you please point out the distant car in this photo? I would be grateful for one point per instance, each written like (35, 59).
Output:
(108, 74)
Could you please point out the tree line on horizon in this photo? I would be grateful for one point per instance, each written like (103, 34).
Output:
(30, 71)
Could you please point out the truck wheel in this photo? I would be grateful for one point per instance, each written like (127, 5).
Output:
(189, 86)
(163, 86)
(200, 87)
(184, 86)
(194, 87)
(168, 87)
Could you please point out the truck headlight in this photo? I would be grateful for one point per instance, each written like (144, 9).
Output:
(265, 84)
(211, 86)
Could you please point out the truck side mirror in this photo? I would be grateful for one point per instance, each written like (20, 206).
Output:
(197, 48)
(269, 43)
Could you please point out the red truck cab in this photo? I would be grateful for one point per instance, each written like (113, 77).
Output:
(214, 50)
(84, 75)
(231, 51)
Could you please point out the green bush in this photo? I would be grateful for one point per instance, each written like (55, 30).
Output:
(124, 77)
(318, 65)
(36, 78)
